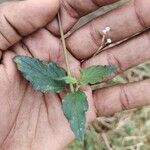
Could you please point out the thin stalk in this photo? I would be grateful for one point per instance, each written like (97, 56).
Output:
(106, 141)
(101, 47)
(65, 50)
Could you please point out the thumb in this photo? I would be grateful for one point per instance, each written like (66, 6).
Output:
(18, 19)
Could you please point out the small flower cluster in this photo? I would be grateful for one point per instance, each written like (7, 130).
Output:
(105, 40)
(105, 32)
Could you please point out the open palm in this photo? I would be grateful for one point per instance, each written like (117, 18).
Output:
(30, 119)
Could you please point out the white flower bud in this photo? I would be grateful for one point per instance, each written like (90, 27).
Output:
(107, 29)
(104, 31)
(109, 41)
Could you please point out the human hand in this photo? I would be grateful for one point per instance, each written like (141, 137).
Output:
(30, 119)
(33, 120)
(126, 21)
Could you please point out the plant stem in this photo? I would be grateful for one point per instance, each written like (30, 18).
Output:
(101, 47)
(77, 87)
(65, 50)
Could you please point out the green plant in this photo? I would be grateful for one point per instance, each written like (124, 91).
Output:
(49, 77)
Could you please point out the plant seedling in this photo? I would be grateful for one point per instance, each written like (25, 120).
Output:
(49, 77)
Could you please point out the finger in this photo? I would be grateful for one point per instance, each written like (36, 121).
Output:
(0, 55)
(124, 56)
(124, 22)
(123, 97)
(72, 10)
(22, 18)
(91, 113)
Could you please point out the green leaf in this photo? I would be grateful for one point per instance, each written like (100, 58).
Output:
(69, 80)
(74, 107)
(95, 74)
(42, 75)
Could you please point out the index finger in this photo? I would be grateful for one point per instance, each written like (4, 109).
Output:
(72, 10)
